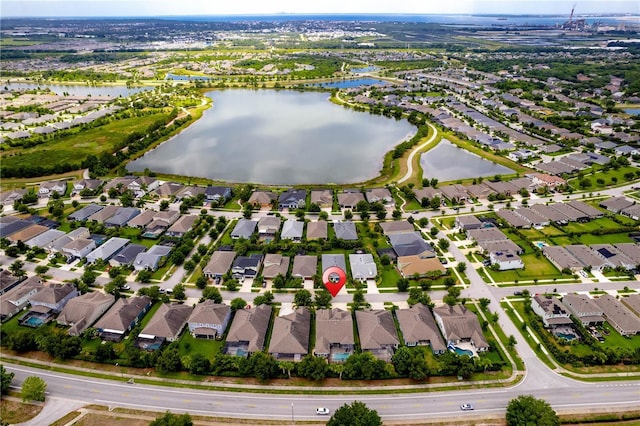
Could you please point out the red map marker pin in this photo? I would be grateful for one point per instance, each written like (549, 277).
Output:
(334, 279)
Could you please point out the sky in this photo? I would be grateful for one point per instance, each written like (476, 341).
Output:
(93, 8)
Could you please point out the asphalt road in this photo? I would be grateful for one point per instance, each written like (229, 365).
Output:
(563, 394)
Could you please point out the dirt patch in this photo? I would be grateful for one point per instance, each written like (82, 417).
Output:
(13, 411)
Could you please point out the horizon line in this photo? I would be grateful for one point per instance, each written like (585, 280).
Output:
(599, 14)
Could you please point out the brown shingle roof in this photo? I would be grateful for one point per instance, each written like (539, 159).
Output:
(376, 329)
(417, 325)
(333, 326)
(168, 321)
(250, 325)
(290, 333)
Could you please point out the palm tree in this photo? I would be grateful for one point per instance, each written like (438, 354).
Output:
(286, 366)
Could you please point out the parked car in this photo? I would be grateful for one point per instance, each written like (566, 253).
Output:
(322, 411)
(466, 407)
(126, 287)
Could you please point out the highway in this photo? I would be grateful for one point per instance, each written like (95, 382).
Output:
(563, 394)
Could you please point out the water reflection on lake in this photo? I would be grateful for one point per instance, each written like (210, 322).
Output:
(347, 84)
(78, 90)
(447, 162)
(279, 137)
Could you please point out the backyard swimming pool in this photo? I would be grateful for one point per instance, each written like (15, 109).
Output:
(340, 357)
(461, 351)
(540, 244)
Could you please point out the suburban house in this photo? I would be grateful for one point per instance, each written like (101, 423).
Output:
(262, 199)
(419, 328)
(27, 233)
(47, 189)
(381, 195)
(618, 315)
(329, 260)
(506, 260)
(304, 266)
(345, 230)
(268, 227)
(552, 312)
(107, 250)
(150, 259)
(182, 226)
(139, 186)
(377, 332)
(217, 194)
(219, 264)
(165, 325)
(244, 229)
(409, 266)
(292, 230)
(616, 204)
(632, 302)
(293, 199)
(334, 335)
(53, 297)
(168, 189)
(411, 244)
(87, 184)
(122, 216)
(79, 248)
(190, 191)
(246, 266)
(427, 193)
(322, 197)
(127, 255)
(561, 258)
(8, 281)
(16, 299)
(209, 320)
(142, 220)
(11, 196)
(160, 223)
(551, 181)
(274, 265)
(584, 308)
(363, 267)
(15, 225)
(349, 199)
(58, 244)
(103, 214)
(458, 324)
(123, 315)
(317, 230)
(613, 255)
(492, 239)
(396, 227)
(290, 335)
(85, 212)
(248, 331)
(82, 311)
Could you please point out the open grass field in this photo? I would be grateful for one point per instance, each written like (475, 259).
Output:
(76, 147)
(535, 268)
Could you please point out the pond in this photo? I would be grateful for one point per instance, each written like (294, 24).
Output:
(78, 90)
(447, 162)
(632, 111)
(278, 137)
(347, 84)
(177, 77)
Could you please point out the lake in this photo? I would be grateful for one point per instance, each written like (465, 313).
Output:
(278, 137)
(78, 90)
(632, 111)
(447, 162)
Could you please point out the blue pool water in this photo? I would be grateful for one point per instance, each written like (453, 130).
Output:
(540, 244)
(566, 336)
(460, 351)
(34, 322)
(341, 356)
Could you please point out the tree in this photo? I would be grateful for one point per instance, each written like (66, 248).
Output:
(33, 389)
(178, 292)
(16, 268)
(264, 299)
(238, 303)
(302, 298)
(212, 293)
(279, 281)
(313, 368)
(41, 269)
(169, 360)
(323, 299)
(88, 277)
(170, 419)
(355, 414)
(348, 214)
(199, 364)
(462, 266)
(527, 410)
(116, 286)
(201, 282)
(402, 284)
(5, 380)
(443, 243)
(164, 205)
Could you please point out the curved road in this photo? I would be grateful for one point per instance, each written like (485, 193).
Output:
(417, 149)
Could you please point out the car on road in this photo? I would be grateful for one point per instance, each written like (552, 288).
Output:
(466, 407)
(322, 411)
(126, 287)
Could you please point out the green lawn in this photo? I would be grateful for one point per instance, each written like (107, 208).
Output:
(189, 345)
(390, 276)
(551, 231)
(74, 148)
(535, 268)
(604, 239)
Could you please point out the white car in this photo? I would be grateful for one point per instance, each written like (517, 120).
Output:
(322, 411)
(126, 287)
(466, 407)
